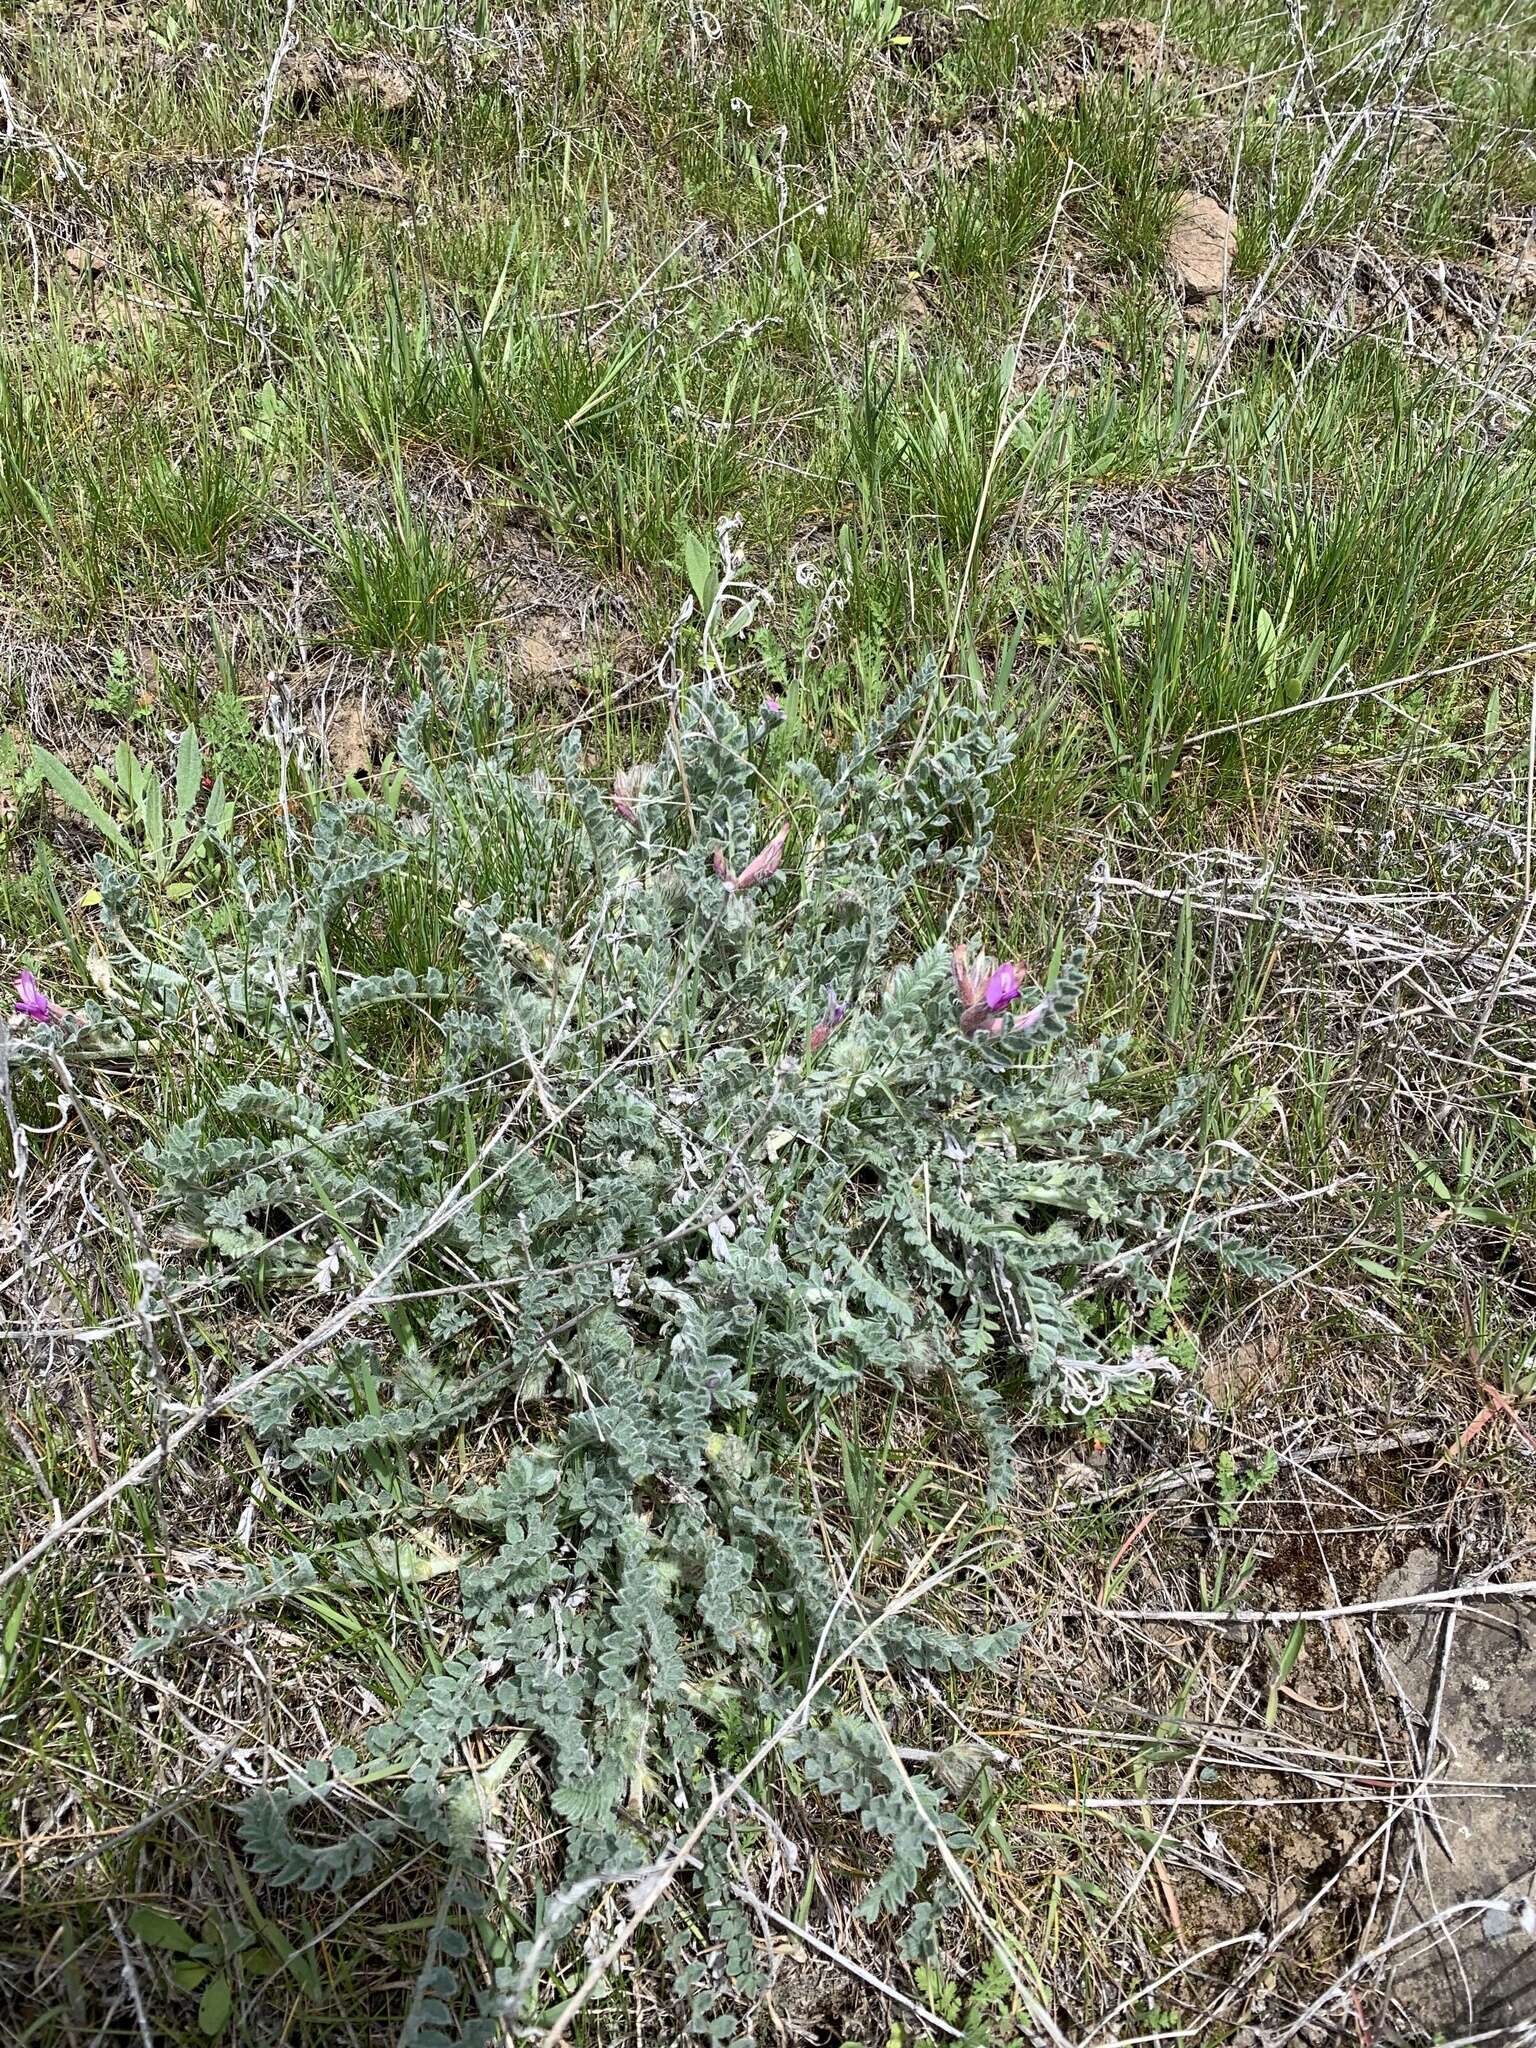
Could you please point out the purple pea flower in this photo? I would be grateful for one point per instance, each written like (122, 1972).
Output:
(984, 995)
(829, 1020)
(1002, 986)
(30, 1000)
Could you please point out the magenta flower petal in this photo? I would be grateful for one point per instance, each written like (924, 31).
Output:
(1003, 985)
(30, 1000)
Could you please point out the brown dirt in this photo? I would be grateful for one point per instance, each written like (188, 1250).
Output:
(814, 2002)
(313, 80)
(1442, 309)
(1470, 1677)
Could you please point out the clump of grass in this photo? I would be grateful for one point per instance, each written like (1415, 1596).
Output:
(191, 507)
(959, 469)
(1124, 193)
(792, 82)
(24, 457)
(995, 43)
(983, 224)
(401, 582)
(1427, 549)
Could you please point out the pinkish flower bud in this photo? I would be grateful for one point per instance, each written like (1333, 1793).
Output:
(626, 787)
(760, 868)
(829, 1020)
(763, 866)
(966, 983)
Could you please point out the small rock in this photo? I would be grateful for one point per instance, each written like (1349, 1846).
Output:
(970, 146)
(1200, 246)
(1080, 1477)
(87, 259)
(913, 311)
(388, 86)
(1419, 1573)
(1507, 1917)
(540, 657)
(215, 208)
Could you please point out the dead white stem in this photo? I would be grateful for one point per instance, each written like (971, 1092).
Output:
(131, 1980)
(835, 1955)
(255, 284)
(23, 132)
(1280, 1617)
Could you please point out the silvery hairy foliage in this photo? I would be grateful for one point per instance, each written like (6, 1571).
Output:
(661, 1135)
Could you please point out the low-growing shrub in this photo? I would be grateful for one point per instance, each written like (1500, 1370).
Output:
(675, 1143)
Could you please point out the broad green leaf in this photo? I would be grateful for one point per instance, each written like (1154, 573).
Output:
(1377, 1270)
(215, 2005)
(701, 571)
(161, 1930)
(189, 773)
(71, 791)
(152, 811)
(219, 814)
